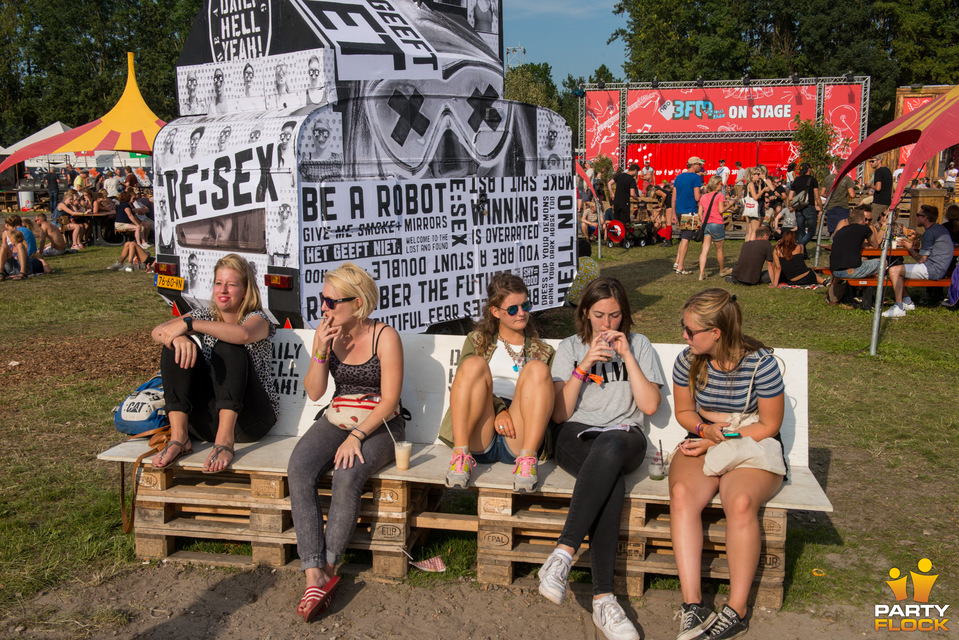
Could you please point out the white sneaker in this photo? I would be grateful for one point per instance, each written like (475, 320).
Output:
(612, 620)
(895, 311)
(144, 245)
(128, 268)
(908, 304)
(116, 266)
(553, 576)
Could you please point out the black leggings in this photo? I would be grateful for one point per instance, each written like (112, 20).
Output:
(600, 464)
(228, 381)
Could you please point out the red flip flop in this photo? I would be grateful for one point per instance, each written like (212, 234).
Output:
(318, 598)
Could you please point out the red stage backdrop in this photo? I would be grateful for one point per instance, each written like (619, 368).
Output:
(717, 109)
(841, 108)
(668, 159)
(602, 124)
(908, 105)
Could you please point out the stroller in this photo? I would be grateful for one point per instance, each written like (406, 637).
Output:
(631, 234)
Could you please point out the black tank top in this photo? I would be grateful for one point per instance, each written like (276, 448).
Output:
(357, 378)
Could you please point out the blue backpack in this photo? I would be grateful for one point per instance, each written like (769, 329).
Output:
(142, 410)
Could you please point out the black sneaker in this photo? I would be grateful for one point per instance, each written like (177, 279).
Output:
(728, 625)
(694, 620)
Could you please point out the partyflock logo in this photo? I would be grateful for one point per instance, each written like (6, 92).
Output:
(912, 617)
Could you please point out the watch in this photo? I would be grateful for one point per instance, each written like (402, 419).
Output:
(189, 323)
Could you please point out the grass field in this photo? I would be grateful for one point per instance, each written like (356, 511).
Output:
(883, 433)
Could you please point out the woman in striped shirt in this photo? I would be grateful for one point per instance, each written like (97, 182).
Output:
(711, 379)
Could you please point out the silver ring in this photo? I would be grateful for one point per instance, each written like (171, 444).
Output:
(500, 427)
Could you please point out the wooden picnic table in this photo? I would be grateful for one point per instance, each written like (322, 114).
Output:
(98, 221)
(875, 253)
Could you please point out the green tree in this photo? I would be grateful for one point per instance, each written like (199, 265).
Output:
(603, 74)
(603, 165)
(814, 141)
(67, 61)
(894, 42)
(569, 104)
(532, 83)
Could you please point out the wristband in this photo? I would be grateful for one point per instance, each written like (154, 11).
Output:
(699, 429)
(353, 433)
(319, 358)
(188, 321)
(579, 374)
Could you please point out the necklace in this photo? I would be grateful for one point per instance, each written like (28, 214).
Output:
(516, 357)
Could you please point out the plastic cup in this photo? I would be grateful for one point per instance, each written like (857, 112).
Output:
(403, 450)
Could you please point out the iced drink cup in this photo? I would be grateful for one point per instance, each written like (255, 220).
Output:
(403, 455)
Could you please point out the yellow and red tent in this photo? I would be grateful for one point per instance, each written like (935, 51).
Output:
(129, 126)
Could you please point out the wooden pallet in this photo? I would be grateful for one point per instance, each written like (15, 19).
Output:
(178, 504)
(516, 528)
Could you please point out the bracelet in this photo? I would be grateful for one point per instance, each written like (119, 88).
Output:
(353, 433)
(579, 374)
(319, 358)
(699, 429)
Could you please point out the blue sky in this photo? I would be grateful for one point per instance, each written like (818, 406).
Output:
(570, 35)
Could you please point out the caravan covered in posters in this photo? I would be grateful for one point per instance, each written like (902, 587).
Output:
(375, 131)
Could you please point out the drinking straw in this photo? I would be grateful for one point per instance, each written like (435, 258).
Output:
(388, 430)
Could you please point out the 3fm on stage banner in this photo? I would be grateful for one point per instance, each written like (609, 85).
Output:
(910, 104)
(432, 245)
(842, 108)
(602, 124)
(712, 109)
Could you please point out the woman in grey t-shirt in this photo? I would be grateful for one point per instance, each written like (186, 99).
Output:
(607, 381)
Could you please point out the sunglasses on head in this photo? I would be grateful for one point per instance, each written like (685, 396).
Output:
(513, 309)
(331, 302)
(690, 332)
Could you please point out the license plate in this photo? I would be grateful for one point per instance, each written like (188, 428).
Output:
(169, 282)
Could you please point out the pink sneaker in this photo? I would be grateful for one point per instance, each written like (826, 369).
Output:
(459, 473)
(524, 474)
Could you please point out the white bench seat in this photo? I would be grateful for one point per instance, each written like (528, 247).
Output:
(429, 463)
(401, 503)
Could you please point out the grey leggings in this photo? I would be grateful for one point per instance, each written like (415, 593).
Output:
(311, 459)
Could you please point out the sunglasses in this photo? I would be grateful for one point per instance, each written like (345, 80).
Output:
(314, 73)
(690, 332)
(331, 303)
(513, 309)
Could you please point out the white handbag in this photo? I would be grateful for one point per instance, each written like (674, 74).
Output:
(744, 452)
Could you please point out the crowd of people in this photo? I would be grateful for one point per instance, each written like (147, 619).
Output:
(109, 203)
(786, 209)
(513, 399)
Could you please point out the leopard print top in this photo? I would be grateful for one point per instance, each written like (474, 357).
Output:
(261, 352)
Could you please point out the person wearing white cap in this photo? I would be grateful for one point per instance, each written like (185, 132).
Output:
(686, 191)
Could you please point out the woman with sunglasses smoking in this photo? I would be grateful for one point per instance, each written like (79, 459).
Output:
(363, 356)
(606, 380)
(502, 394)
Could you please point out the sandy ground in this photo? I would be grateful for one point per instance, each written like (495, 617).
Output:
(174, 601)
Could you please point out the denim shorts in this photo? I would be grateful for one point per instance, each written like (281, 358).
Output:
(716, 231)
(497, 451)
(866, 269)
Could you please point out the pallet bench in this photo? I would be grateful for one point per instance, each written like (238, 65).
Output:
(250, 503)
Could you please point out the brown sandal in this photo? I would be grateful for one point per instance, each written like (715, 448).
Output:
(183, 452)
(217, 450)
